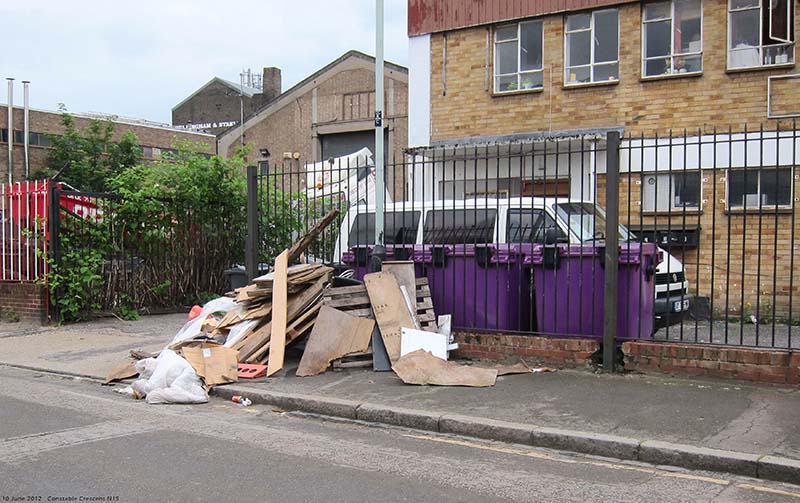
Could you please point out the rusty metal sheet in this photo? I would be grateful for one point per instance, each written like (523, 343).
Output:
(432, 16)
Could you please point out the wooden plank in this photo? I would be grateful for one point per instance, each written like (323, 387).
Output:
(335, 334)
(403, 270)
(295, 329)
(279, 314)
(389, 307)
(342, 290)
(258, 311)
(347, 302)
(304, 242)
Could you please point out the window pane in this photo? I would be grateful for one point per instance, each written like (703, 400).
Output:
(460, 226)
(505, 33)
(399, 228)
(530, 80)
(744, 29)
(506, 58)
(606, 35)
(740, 184)
(4, 135)
(606, 72)
(687, 190)
(578, 22)
(530, 226)
(508, 83)
(776, 186)
(579, 75)
(657, 39)
(687, 26)
(530, 47)
(781, 30)
(658, 10)
(578, 49)
(657, 66)
(689, 64)
(19, 137)
(743, 4)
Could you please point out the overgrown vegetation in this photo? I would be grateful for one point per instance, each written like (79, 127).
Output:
(166, 230)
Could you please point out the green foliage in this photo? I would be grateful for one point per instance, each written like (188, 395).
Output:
(282, 218)
(8, 314)
(77, 283)
(86, 160)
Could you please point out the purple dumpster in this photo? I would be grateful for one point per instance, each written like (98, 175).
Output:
(357, 258)
(569, 289)
(482, 286)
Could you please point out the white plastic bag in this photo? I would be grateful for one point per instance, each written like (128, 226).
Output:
(192, 327)
(173, 380)
(238, 330)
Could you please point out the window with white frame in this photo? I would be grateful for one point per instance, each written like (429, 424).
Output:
(672, 37)
(756, 188)
(671, 191)
(518, 56)
(591, 47)
(760, 33)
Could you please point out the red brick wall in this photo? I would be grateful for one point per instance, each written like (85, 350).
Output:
(564, 352)
(28, 300)
(746, 364)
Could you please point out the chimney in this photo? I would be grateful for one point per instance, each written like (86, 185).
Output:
(271, 84)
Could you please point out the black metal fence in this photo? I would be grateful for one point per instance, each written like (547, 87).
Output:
(513, 236)
(112, 255)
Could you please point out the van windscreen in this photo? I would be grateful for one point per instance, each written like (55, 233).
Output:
(467, 226)
(399, 227)
(530, 226)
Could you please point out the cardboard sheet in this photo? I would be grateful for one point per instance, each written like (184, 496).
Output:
(335, 335)
(214, 363)
(421, 367)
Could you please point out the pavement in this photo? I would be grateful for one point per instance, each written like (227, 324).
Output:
(694, 423)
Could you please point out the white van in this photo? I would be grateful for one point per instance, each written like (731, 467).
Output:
(501, 221)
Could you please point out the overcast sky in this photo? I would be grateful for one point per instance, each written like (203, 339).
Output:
(141, 58)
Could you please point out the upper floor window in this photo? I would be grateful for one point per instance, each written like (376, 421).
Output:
(518, 56)
(756, 188)
(672, 38)
(760, 33)
(591, 47)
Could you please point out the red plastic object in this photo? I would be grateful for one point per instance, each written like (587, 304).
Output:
(195, 312)
(251, 371)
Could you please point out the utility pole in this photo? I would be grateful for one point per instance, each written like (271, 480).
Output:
(380, 180)
(10, 128)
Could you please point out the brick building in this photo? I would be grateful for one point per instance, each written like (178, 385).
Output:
(153, 137)
(665, 74)
(328, 114)
(219, 103)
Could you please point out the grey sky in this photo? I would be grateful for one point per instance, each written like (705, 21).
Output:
(140, 58)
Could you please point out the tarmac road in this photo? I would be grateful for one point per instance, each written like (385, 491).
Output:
(65, 438)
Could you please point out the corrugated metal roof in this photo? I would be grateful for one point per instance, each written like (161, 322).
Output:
(431, 16)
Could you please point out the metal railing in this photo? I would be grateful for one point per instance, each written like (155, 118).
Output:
(513, 237)
(23, 220)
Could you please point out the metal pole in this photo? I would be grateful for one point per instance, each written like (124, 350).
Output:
(380, 181)
(27, 127)
(251, 245)
(10, 128)
(241, 108)
(612, 250)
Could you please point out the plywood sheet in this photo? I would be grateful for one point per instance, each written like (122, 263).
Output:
(279, 314)
(421, 367)
(335, 335)
(389, 307)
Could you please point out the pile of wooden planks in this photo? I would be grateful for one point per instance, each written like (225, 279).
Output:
(284, 302)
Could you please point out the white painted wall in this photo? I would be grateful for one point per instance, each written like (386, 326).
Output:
(419, 91)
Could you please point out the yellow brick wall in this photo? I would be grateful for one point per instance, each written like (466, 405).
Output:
(717, 97)
(729, 242)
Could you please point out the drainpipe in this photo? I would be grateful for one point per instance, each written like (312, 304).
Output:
(27, 127)
(10, 127)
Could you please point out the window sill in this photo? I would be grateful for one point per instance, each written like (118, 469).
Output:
(583, 85)
(676, 213)
(496, 94)
(668, 76)
(756, 211)
(760, 68)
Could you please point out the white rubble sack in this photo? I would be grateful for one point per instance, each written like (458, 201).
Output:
(172, 380)
(193, 327)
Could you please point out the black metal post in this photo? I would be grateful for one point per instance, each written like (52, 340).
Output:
(611, 250)
(54, 245)
(251, 243)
